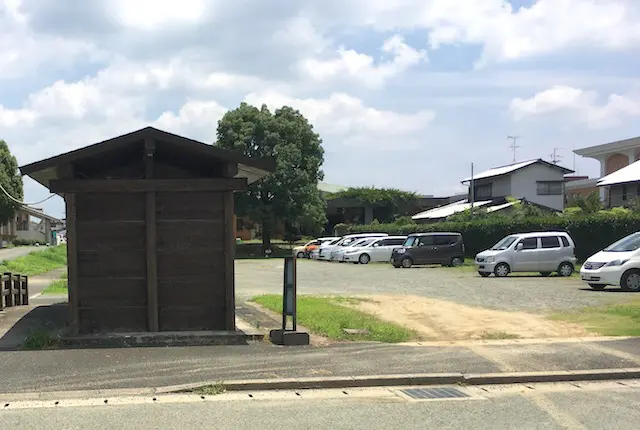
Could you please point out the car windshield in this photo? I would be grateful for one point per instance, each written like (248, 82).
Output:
(627, 244)
(504, 243)
(364, 242)
(409, 241)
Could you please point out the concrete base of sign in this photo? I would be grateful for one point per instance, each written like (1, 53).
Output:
(288, 337)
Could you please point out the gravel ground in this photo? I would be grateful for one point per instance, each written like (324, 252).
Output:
(460, 285)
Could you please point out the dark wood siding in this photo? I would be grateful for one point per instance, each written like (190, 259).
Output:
(191, 288)
(111, 262)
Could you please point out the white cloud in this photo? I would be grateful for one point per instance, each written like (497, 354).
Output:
(345, 120)
(362, 68)
(196, 118)
(579, 105)
(150, 14)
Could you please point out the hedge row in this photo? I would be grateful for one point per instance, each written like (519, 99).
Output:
(591, 234)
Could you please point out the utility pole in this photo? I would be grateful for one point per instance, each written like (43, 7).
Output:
(472, 189)
(513, 145)
(555, 157)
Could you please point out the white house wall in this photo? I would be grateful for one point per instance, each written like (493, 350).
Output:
(500, 186)
(524, 185)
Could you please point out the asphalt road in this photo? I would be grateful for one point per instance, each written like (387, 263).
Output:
(558, 407)
(18, 251)
(461, 285)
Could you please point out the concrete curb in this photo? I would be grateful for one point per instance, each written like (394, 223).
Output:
(415, 379)
(421, 379)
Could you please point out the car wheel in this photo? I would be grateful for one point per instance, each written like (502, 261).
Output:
(545, 274)
(456, 261)
(407, 262)
(565, 269)
(300, 254)
(598, 287)
(631, 280)
(484, 274)
(364, 259)
(396, 266)
(502, 270)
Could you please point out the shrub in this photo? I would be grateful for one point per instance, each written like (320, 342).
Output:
(341, 229)
(590, 233)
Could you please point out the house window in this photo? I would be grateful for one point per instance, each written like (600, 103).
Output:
(549, 188)
(482, 192)
(624, 193)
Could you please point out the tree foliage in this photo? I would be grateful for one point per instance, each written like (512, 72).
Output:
(581, 205)
(389, 202)
(290, 194)
(11, 181)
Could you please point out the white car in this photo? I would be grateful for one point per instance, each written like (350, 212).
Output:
(338, 252)
(617, 265)
(305, 250)
(378, 250)
(316, 252)
(544, 252)
(324, 252)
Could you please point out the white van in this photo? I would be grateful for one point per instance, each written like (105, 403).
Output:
(543, 252)
(324, 252)
(379, 249)
(618, 265)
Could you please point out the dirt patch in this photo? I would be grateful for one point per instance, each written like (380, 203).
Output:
(443, 320)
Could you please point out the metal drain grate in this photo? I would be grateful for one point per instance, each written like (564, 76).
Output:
(434, 393)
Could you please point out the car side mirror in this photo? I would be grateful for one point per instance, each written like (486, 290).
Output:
(519, 247)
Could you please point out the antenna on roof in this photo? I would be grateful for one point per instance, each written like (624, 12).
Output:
(555, 157)
(513, 145)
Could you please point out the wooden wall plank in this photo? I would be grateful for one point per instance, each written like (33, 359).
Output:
(229, 260)
(73, 264)
(97, 264)
(205, 236)
(105, 292)
(110, 206)
(144, 185)
(114, 236)
(188, 290)
(114, 319)
(193, 205)
(192, 317)
(173, 264)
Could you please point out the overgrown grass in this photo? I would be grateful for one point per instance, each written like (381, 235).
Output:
(57, 287)
(210, 390)
(40, 339)
(610, 320)
(37, 262)
(496, 335)
(325, 316)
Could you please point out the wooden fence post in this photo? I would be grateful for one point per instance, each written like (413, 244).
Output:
(24, 290)
(17, 299)
(8, 286)
(2, 292)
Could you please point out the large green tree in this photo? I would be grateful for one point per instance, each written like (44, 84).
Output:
(290, 194)
(11, 181)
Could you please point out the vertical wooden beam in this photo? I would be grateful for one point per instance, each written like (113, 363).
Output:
(151, 240)
(72, 263)
(66, 171)
(229, 261)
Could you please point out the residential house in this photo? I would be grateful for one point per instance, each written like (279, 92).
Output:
(612, 156)
(30, 224)
(575, 186)
(536, 181)
(623, 185)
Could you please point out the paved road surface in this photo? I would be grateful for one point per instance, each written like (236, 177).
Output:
(18, 251)
(552, 407)
(91, 369)
(460, 285)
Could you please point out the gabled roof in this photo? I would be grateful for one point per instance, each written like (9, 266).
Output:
(609, 148)
(448, 210)
(630, 173)
(251, 168)
(39, 214)
(510, 168)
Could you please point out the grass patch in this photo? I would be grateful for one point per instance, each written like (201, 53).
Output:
(496, 335)
(37, 262)
(325, 316)
(210, 390)
(610, 320)
(39, 340)
(57, 287)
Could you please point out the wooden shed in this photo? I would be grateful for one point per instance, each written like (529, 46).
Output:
(150, 231)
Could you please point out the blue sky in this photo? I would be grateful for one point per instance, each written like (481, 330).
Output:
(405, 94)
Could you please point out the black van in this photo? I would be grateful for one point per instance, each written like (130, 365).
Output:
(430, 248)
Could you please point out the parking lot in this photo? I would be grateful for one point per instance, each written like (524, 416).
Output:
(447, 301)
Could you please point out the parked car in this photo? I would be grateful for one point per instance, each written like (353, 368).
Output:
(337, 254)
(379, 249)
(543, 252)
(316, 252)
(617, 265)
(429, 248)
(304, 251)
(324, 252)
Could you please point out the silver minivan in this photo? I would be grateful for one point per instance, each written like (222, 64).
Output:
(543, 252)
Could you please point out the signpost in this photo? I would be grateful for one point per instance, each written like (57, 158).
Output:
(291, 336)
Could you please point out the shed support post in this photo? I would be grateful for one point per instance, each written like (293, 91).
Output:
(151, 241)
(66, 171)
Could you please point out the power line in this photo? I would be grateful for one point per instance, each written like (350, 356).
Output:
(513, 145)
(21, 202)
